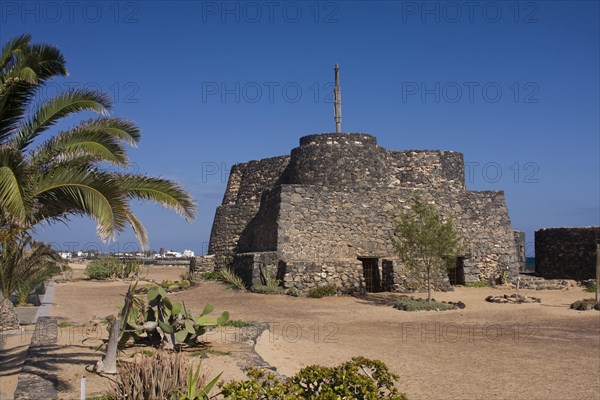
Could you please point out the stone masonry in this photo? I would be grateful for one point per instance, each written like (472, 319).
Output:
(566, 253)
(323, 216)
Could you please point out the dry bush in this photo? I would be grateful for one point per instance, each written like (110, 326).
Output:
(159, 377)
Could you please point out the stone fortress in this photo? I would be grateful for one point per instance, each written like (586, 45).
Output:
(323, 215)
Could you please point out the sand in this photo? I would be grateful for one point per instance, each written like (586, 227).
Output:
(486, 351)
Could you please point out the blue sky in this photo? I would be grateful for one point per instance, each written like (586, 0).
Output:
(514, 85)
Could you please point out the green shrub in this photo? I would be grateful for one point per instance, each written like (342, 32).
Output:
(98, 270)
(478, 284)
(109, 267)
(318, 292)
(411, 304)
(293, 292)
(237, 323)
(361, 379)
(591, 288)
(212, 276)
(267, 289)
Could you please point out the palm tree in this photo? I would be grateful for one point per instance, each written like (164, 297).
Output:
(68, 173)
(24, 264)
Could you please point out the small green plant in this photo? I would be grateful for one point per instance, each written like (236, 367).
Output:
(237, 323)
(211, 276)
(361, 379)
(322, 291)
(267, 289)
(229, 277)
(293, 292)
(64, 324)
(591, 288)
(412, 304)
(478, 284)
(196, 389)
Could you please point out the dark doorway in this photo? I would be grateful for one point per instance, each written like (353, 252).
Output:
(456, 275)
(371, 274)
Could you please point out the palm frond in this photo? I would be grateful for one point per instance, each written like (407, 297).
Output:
(12, 202)
(80, 144)
(13, 49)
(139, 230)
(98, 195)
(162, 191)
(64, 104)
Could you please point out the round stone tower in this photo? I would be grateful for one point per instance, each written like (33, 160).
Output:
(343, 160)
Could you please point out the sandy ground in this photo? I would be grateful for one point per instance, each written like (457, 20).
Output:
(486, 351)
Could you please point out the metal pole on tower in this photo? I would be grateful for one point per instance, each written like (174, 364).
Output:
(337, 101)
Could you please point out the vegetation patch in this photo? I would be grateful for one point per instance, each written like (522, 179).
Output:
(360, 378)
(586, 305)
(322, 291)
(478, 284)
(267, 289)
(110, 267)
(293, 292)
(238, 323)
(591, 288)
(406, 303)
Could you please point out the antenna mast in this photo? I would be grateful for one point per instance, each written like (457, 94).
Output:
(337, 101)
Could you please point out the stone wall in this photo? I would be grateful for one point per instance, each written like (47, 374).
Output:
(246, 185)
(566, 253)
(316, 224)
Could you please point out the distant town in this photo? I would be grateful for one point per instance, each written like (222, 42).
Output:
(147, 255)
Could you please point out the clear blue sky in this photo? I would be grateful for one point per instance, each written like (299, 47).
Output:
(512, 85)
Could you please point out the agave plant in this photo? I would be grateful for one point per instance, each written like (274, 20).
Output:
(49, 178)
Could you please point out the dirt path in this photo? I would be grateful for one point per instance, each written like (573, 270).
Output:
(487, 351)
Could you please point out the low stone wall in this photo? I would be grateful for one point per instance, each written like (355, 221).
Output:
(346, 275)
(566, 253)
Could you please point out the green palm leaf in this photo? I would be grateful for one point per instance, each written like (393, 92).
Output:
(11, 193)
(162, 191)
(95, 194)
(61, 106)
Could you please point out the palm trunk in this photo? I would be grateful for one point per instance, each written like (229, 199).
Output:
(108, 364)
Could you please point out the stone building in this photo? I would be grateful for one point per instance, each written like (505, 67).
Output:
(322, 215)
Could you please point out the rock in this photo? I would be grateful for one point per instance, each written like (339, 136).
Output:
(8, 316)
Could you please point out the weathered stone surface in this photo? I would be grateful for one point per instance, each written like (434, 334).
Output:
(8, 315)
(330, 202)
(566, 253)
